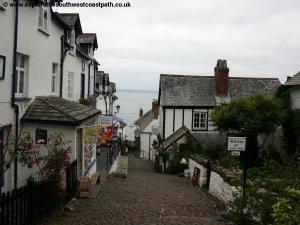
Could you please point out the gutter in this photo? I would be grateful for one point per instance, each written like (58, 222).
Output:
(63, 52)
(13, 96)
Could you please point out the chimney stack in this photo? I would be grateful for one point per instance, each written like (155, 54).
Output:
(155, 108)
(221, 78)
(141, 112)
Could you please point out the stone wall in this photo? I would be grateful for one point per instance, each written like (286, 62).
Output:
(203, 171)
(222, 190)
(224, 185)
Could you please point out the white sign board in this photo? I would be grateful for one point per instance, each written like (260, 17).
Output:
(122, 166)
(236, 144)
(235, 153)
(105, 120)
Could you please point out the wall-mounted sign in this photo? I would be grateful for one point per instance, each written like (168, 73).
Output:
(89, 150)
(236, 144)
(2, 67)
(105, 120)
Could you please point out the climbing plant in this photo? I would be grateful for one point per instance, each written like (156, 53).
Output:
(50, 159)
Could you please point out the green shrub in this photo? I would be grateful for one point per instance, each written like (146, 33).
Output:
(253, 208)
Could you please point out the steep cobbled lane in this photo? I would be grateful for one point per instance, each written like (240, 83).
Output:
(143, 198)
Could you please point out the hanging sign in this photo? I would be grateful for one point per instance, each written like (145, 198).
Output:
(105, 120)
(236, 144)
(235, 153)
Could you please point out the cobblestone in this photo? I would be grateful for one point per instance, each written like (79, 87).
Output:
(144, 198)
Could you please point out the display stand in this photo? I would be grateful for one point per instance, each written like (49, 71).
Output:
(90, 187)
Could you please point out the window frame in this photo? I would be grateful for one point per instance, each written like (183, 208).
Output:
(3, 61)
(20, 69)
(202, 121)
(43, 25)
(70, 87)
(54, 83)
(41, 134)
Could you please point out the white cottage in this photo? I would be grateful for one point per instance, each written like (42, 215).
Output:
(49, 115)
(79, 65)
(105, 92)
(39, 52)
(30, 52)
(189, 100)
(147, 131)
(294, 83)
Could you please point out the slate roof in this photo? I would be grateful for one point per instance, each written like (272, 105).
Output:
(99, 77)
(295, 80)
(88, 38)
(122, 124)
(81, 52)
(72, 19)
(175, 136)
(55, 110)
(145, 120)
(186, 90)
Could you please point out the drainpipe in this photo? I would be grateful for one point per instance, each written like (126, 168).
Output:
(94, 91)
(89, 78)
(13, 97)
(63, 52)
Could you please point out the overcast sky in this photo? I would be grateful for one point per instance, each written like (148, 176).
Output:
(258, 38)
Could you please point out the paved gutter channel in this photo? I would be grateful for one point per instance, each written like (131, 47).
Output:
(144, 198)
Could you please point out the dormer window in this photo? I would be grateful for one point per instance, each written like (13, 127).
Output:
(44, 17)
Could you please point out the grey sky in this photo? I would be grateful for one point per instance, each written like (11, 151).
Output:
(258, 38)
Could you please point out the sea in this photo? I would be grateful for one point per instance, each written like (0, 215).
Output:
(130, 102)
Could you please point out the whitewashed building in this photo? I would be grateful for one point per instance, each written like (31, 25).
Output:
(294, 83)
(42, 53)
(189, 100)
(106, 93)
(147, 131)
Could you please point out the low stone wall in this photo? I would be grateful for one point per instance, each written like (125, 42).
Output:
(224, 185)
(203, 171)
(222, 190)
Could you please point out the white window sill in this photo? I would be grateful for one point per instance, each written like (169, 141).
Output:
(199, 129)
(44, 31)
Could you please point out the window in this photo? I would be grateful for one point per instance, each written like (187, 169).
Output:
(44, 19)
(82, 66)
(200, 120)
(70, 84)
(54, 80)
(41, 136)
(2, 67)
(21, 75)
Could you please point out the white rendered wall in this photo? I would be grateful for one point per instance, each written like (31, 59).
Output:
(188, 115)
(69, 138)
(42, 49)
(295, 98)
(178, 119)
(6, 49)
(168, 123)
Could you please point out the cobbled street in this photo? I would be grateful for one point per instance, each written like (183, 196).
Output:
(143, 198)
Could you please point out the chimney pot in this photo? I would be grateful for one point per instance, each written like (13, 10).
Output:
(141, 112)
(155, 108)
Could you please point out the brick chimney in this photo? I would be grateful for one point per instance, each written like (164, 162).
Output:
(155, 108)
(221, 78)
